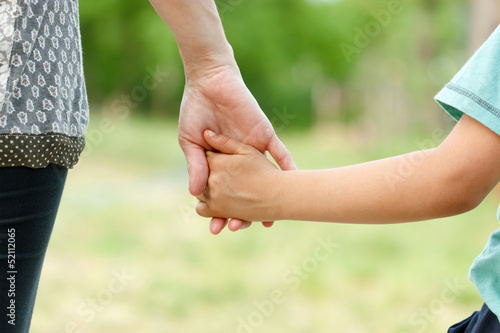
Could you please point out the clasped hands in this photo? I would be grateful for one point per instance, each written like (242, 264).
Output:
(240, 179)
(240, 184)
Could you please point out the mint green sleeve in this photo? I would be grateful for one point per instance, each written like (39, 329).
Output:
(475, 91)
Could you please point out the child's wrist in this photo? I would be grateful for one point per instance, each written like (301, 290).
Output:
(279, 196)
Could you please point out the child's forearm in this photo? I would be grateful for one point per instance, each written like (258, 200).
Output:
(198, 30)
(448, 180)
(411, 187)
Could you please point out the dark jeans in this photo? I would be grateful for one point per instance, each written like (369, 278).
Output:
(29, 199)
(483, 321)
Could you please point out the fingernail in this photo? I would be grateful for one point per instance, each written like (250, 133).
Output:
(244, 226)
(210, 133)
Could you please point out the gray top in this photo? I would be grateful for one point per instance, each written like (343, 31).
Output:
(43, 101)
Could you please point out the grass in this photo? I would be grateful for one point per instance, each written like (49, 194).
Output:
(126, 211)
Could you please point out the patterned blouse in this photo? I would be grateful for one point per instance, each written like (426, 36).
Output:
(43, 101)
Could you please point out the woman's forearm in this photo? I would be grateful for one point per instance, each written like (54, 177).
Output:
(198, 30)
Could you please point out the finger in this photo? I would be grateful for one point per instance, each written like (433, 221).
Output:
(267, 224)
(217, 224)
(280, 154)
(202, 209)
(222, 143)
(197, 167)
(237, 224)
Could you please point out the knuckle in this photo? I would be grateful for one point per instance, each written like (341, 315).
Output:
(202, 209)
(214, 182)
(214, 160)
(232, 170)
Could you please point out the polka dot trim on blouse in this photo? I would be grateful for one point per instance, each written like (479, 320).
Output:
(38, 151)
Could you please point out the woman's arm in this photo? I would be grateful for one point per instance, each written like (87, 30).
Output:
(215, 96)
(199, 34)
(448, 180)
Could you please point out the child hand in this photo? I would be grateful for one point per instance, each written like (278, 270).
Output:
(242, 182)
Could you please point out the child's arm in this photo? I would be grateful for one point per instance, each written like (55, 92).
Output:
(448, 180)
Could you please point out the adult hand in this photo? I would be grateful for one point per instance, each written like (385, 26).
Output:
(218, 100)
(215, 96)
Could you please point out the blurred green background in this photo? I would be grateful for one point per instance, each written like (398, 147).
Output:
(343, 82)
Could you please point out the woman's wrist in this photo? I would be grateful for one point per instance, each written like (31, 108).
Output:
(204, 61)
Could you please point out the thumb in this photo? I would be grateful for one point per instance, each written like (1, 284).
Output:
(223, 143)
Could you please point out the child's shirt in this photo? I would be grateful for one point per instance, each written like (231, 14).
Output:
(475, 91)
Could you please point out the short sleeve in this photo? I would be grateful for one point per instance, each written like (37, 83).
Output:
(475, 89)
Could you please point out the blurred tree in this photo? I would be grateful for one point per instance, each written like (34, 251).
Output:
(292, 54)
(123, 44)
